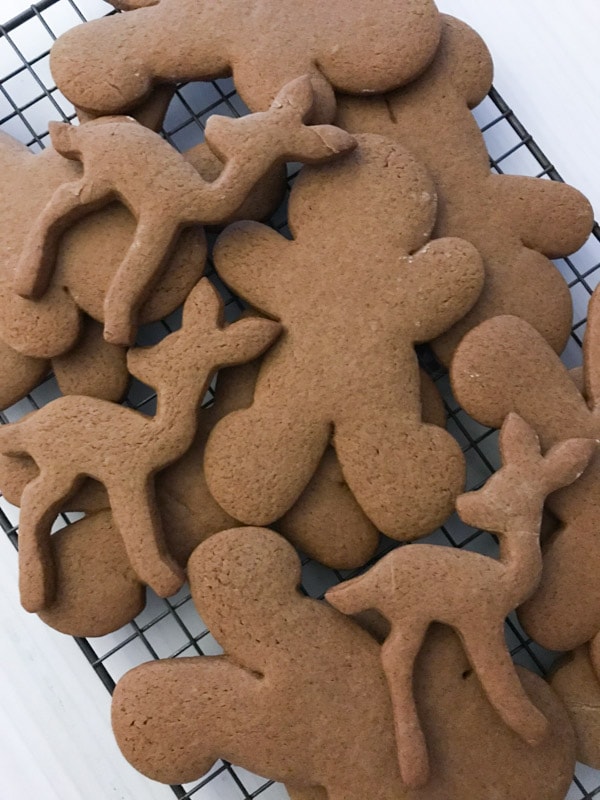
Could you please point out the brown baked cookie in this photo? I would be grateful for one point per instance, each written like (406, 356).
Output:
(150, 112)
(407, 588)
(346, 366)
(86, 261)
(92, 367)
(97, 591)
(300, 696)
(504, 365)
(120, 157)
(516, 223)
(76, 437)
(109, 65)
(576, 682)
(20, 374)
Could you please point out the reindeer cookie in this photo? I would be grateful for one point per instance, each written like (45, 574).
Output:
(405, 587)
(177, 198)
(74, 437)
(300, 696)
(352, 308)
(504, 365)
(368, 46)
(86, 262)
(516, 223)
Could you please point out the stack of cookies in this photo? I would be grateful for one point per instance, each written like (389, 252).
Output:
(324, 431)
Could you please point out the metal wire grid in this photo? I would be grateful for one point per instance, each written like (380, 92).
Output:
(171, 628)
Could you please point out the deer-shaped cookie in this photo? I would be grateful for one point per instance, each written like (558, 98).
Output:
(300, 696)
(419, 584)
(517, 223)
(110, 65)
(504, 365)
(353, 305)
(165, 194)
(74, 437)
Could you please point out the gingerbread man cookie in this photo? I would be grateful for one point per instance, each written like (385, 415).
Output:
(300, 696)
(352, 306)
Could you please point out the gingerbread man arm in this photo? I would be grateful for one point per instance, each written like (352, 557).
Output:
(254, 260)
(551, 217)
(441, 281)
(504, 365)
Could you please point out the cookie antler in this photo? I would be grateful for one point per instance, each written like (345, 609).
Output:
(404, 587)
(74, 437)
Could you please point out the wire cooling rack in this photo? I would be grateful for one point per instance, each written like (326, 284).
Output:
(171, 628)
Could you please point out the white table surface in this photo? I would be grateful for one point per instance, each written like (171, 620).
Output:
(55, 739)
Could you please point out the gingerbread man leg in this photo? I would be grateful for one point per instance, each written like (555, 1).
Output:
(405, 477)
(259, 460)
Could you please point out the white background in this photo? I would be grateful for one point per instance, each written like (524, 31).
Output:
(547, 58)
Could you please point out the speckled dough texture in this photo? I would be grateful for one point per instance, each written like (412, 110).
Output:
(352, 306)
(368, 46)
(504, 365)
(416, 585)
(516, 223)
(300, 696)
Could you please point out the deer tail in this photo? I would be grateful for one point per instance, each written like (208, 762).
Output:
(351, 597)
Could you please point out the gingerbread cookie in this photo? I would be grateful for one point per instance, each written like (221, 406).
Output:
(504, 365)
(178, 197)
(110, 65)
(576, 681)
(97, 591)
(93, 367)
(346, 366)
(300, 696)
(516, 223)
(406, 586)
(74, 437)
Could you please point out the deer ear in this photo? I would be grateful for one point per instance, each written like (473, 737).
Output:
(203, 308)
(62, 135)
(518, 440)
(297, 95)
(591, 351)
(566, 461)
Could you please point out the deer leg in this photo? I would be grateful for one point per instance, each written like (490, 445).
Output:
(69, 203)
(135, 514)
(398, 655)
(136, 276)
(500, 681)
(40, 503)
